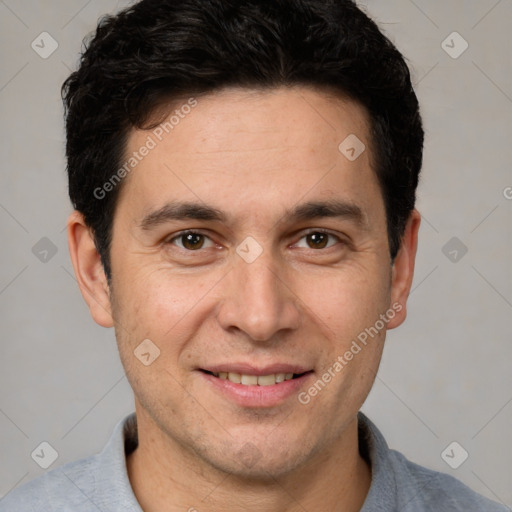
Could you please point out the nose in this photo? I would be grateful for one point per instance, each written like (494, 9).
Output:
(258, 301)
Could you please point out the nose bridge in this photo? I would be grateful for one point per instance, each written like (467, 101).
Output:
(256, 301)
(260, 284)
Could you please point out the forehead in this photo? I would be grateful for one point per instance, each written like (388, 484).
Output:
(239, 148)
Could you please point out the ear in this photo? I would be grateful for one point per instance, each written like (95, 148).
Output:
(89, 271)
(403, 269)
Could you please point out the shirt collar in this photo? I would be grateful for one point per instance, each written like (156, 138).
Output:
(112, 474)
(114, 481)
(372, 446)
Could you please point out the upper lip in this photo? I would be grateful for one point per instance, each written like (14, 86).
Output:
(251, 369)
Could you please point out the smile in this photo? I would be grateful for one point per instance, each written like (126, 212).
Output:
(255, 380)
(257, 387)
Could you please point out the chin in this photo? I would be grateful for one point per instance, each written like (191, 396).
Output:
(264, 471)
(259, 461)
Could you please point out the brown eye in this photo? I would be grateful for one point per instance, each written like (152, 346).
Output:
(190, 241)
(317, 240)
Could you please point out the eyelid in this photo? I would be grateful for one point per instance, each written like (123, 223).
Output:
(310, 231)
(170, 239)
(303, 233)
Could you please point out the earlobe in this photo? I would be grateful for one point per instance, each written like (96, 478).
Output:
(403, 269)
(89, 271)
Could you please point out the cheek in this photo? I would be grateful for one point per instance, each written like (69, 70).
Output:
(345, 301)
(162, 306)
(152, 306)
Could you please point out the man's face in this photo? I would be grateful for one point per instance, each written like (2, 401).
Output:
(246, 242)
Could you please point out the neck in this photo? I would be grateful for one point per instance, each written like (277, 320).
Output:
(166, 477)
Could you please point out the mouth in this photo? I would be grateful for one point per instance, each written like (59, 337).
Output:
(256, 380)
(253, 387)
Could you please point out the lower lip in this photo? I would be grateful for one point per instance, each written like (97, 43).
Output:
(258, 396)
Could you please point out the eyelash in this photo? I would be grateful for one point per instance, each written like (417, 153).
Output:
(310, 232)
(185, 233)
(322, 232)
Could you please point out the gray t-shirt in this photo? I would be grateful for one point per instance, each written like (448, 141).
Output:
(100, 483)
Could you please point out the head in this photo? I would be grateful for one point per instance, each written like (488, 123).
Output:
(218, 213)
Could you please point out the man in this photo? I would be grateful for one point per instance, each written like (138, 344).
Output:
(243, 176)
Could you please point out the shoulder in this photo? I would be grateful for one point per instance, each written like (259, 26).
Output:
(70, 487)
(399, 484)
(99, 482)
(433, 490)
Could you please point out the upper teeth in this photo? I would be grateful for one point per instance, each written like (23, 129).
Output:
(255, 380)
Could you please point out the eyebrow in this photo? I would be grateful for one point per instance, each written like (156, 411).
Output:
(303, 212)
(181, 211)
(325, 209)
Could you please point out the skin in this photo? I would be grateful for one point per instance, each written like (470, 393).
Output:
(255, 156)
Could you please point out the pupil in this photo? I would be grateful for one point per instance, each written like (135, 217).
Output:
(317, 240)
(193, 241)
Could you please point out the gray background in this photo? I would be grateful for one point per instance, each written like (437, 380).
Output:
(446, 373)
